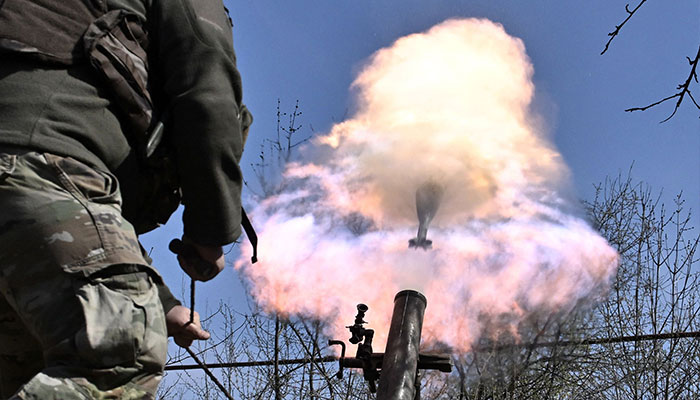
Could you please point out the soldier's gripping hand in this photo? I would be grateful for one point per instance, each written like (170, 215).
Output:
(182, 329)
(200, 262)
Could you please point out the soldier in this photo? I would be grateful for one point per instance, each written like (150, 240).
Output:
(83, 314)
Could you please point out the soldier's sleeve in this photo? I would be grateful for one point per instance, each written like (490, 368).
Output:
(166, 297)
(202, 87)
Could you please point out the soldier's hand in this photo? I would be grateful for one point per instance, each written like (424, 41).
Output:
(181, 329)
(200, 262)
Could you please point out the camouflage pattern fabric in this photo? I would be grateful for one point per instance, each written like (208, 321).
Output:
(80, 316)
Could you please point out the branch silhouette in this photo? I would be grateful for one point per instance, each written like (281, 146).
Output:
(684, 89)
(616, 32)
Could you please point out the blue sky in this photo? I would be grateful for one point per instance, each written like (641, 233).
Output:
(311, 51)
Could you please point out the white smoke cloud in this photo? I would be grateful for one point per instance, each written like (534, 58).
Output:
(449, 106)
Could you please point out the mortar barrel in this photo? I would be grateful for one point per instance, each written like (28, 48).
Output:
(400, 364)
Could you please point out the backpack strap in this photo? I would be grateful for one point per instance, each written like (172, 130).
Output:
(116, 45)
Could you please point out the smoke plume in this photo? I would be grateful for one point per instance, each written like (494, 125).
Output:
(450, 107)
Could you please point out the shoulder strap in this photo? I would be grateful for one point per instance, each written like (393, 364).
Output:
(116, 45)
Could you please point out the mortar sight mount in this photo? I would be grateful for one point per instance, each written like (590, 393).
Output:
(403, 360)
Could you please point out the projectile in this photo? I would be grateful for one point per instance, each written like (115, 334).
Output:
(428, 197)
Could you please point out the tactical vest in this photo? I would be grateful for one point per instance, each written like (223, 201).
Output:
(115, 43)
(49, 30)
(68, 32)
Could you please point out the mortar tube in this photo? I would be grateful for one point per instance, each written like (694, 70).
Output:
(400, 365)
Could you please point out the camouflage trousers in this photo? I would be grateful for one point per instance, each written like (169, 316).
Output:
(80, 316)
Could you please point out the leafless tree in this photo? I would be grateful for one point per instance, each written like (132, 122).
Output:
(642, 343)
(260, 355)
(656, 292)
(276, 152)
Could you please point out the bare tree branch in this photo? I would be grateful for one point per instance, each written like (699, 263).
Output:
(683, 87)
(614, 33)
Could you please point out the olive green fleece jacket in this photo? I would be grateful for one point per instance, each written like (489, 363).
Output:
(67, 111)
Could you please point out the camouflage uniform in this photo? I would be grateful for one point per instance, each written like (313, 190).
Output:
(80, 316)
(76, 295)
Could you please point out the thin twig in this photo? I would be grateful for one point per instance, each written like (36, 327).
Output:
(209, 373)
(191, 301)
(614, 33)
